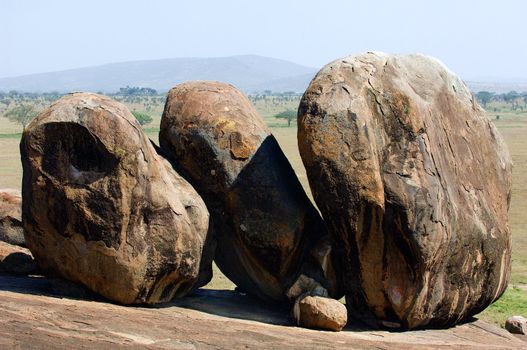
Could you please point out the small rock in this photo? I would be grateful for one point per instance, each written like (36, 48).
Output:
(516, 324)
(321, 313)
(16, 260)
(11, 230)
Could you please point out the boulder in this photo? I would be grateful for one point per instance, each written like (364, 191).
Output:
(16, 260)
(268, 232)
(11, 230)
(320, 313)
(102, 208)
(516, 325)
(414, 183)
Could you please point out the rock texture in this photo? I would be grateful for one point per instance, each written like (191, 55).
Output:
(16, 260)
(11, 230)
(414, 182)
(102, 208)
(320, 313)
(268, 230)
(35, 317)
(516, 324)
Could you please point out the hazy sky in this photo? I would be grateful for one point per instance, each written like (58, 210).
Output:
(476, 39)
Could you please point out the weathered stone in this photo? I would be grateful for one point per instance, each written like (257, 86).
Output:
(414, 183)
(516, 325)
(320, 313)
(11, 230)
(102, 208)
(268, 232)
(16, 260)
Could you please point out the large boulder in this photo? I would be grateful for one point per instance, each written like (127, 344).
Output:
(11, 230)
(414, 183)
(102, 208)
(268, 232)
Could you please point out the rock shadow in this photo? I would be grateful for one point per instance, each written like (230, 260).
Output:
(51, 287)
(232, 304)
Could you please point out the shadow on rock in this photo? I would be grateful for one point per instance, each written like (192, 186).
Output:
(233, 304)
(40, 285)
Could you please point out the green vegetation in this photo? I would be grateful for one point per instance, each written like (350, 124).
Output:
(513, 302)
(21, 114)
(288, 115)
(137, 91)
(16, 136)
(142, 118)
(511, 101)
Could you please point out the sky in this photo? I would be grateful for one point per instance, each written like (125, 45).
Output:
(479, 40)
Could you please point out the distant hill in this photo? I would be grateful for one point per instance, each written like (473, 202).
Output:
(249, 73)
(497, 87)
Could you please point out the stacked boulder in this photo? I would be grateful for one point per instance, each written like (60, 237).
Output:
(270, 237)
(414, 183)
(102, 208)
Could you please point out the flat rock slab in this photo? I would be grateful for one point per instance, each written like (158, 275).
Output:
(36, 316)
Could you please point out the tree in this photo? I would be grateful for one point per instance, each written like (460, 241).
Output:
(142, 118)
(21, 114)
(137, 91)
(484, 97)
(288, 114)
(512, 97)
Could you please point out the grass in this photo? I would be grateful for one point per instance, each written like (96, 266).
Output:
(513, 302)
(15, 136)
(512, 125)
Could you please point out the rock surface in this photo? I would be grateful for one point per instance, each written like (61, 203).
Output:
(16, 260)
(516, 324)
(35, 317)
(414, 183)
(266, 226)
(11, 230)
(102, 208)
(320, 313)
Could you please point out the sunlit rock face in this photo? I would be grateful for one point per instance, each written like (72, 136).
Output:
(269, 235)
(102, 208)
(414, 183)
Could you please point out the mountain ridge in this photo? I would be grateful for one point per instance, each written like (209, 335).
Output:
(250, 73)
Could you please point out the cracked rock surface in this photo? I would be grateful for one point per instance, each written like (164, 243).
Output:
(414, 183)
(102, 208)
